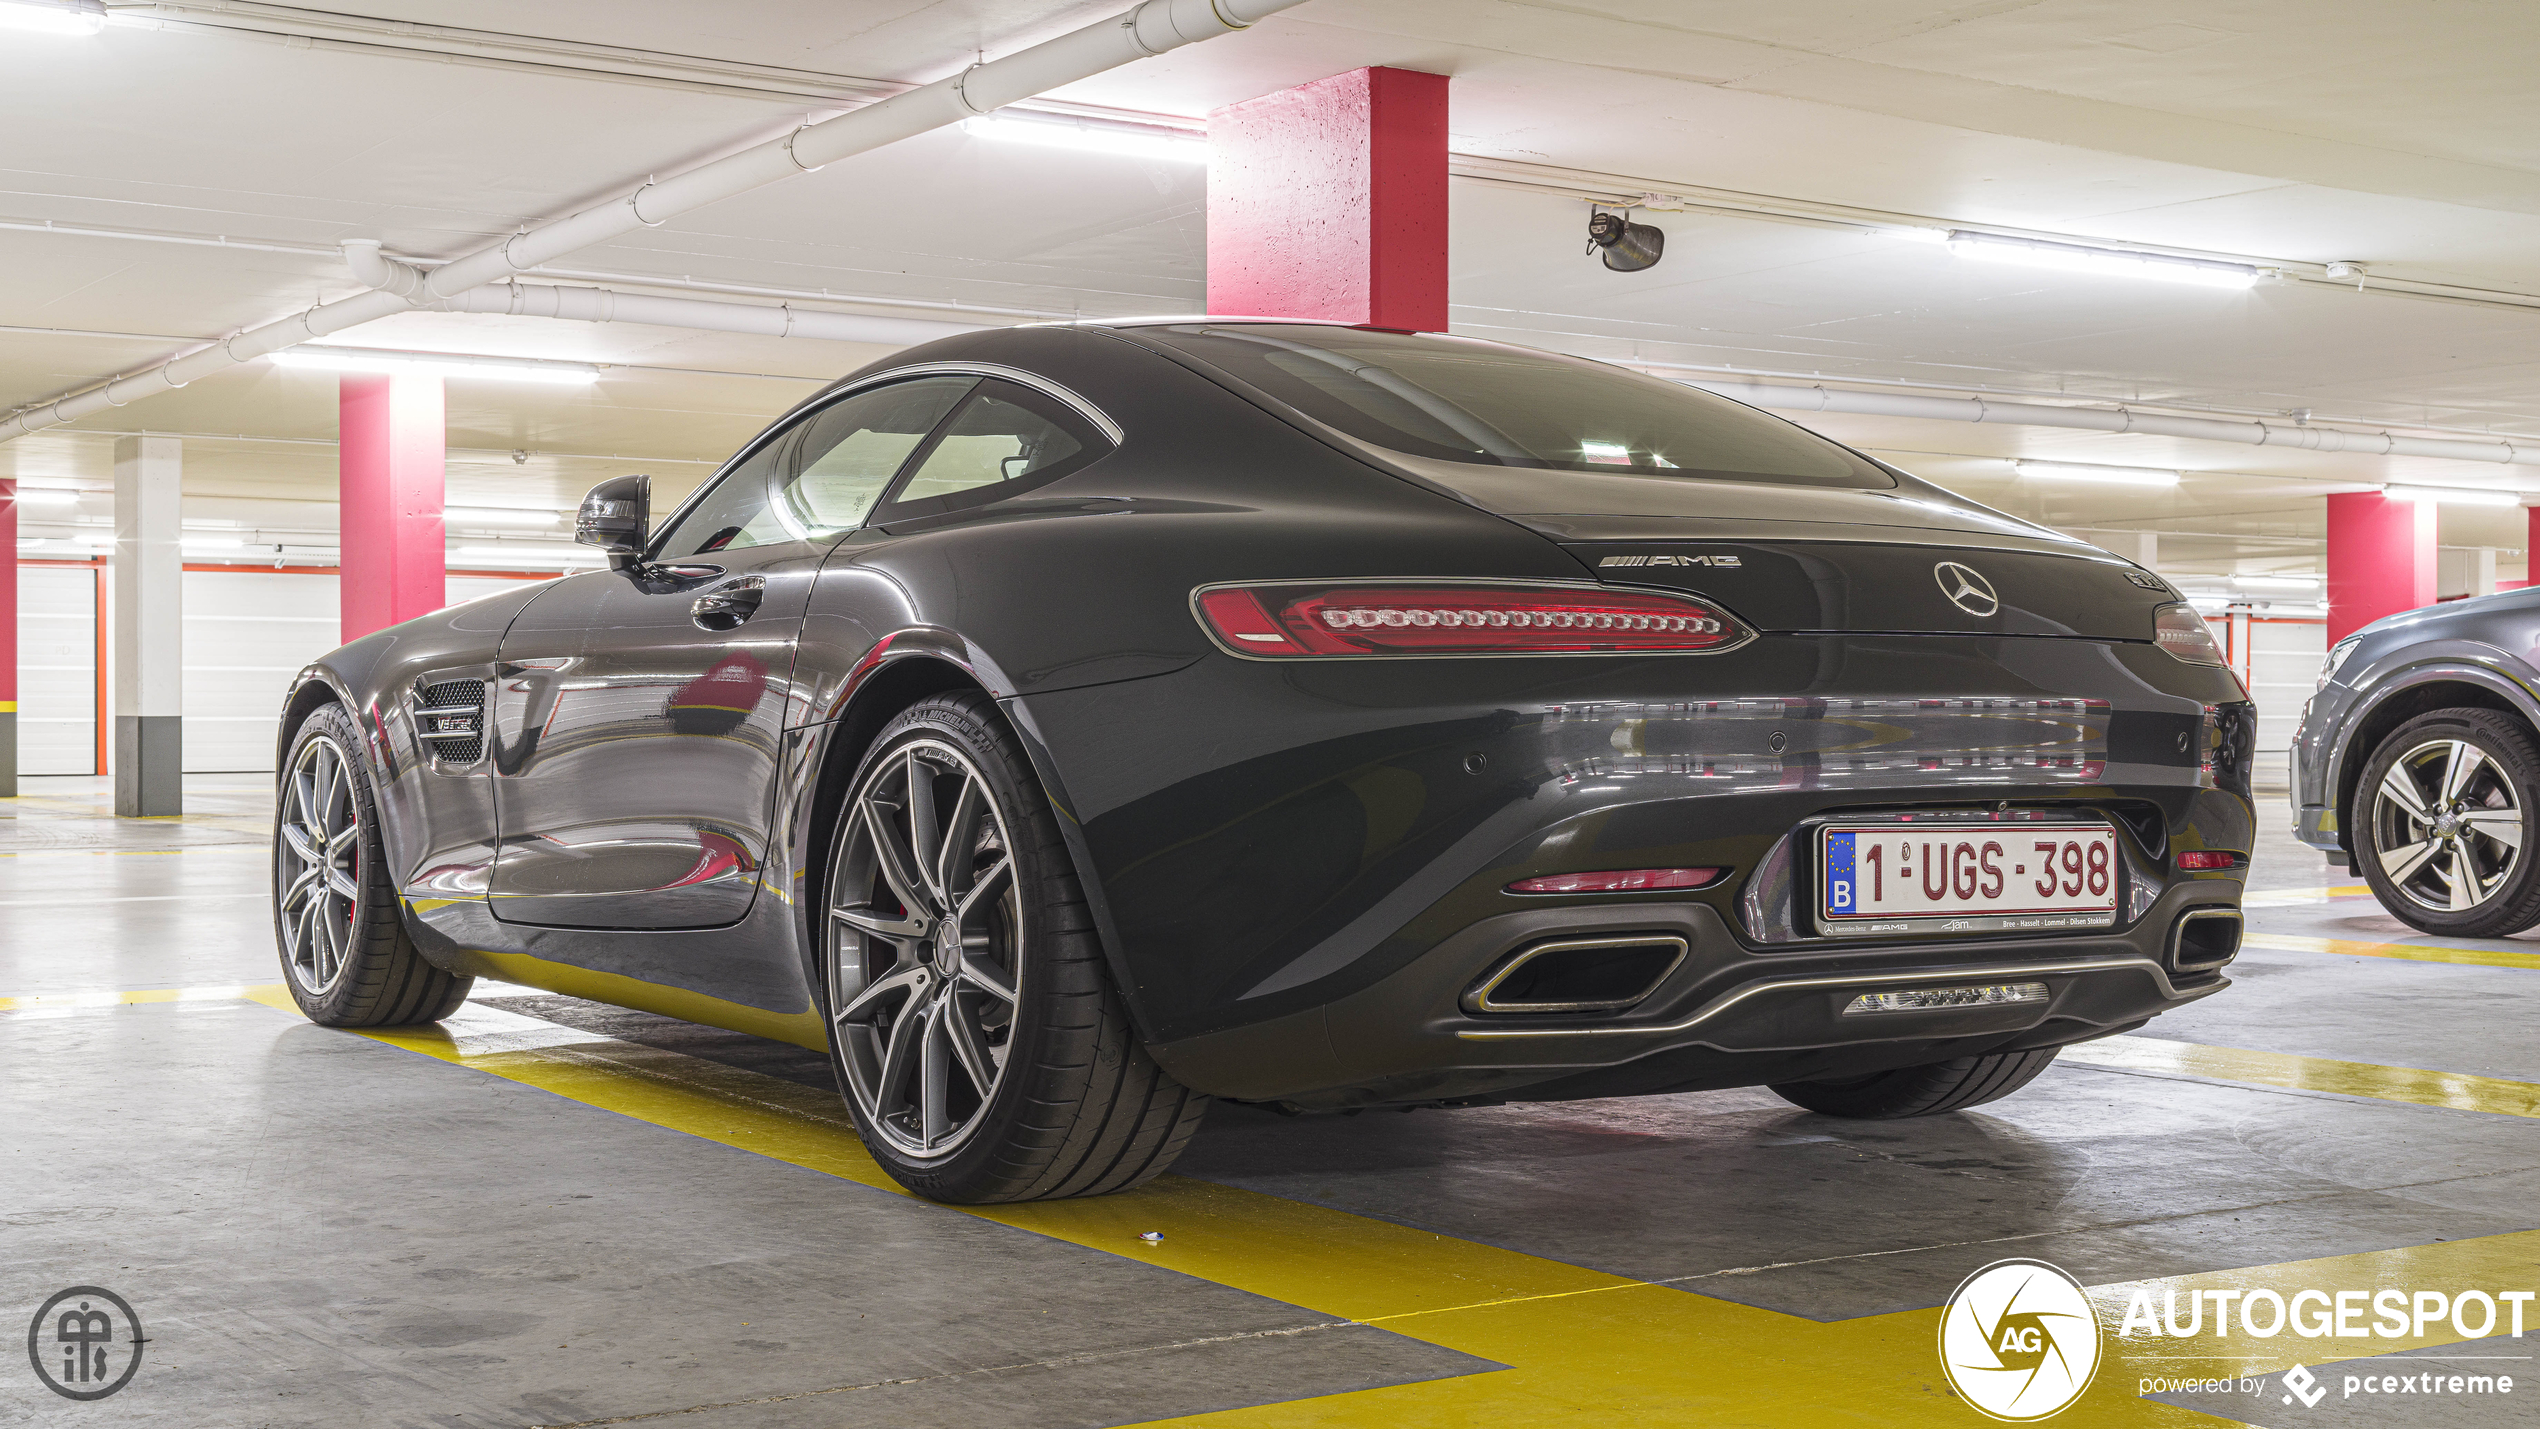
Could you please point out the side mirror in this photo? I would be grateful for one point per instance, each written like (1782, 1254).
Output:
(616, 517)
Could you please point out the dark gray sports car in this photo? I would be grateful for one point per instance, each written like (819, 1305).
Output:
(1064, 725)
(2415, 763)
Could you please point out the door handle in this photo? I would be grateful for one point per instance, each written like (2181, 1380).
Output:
(726, 606)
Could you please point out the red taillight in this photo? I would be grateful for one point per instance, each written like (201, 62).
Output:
(2179, 630)
(1619, 880)
(1298, 619)
(2206, 860)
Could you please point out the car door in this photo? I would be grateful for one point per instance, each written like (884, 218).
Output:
(639, 712)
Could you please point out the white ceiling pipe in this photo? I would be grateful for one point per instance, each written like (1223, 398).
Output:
(1151, 28)
(1790, 398)
(602, 305)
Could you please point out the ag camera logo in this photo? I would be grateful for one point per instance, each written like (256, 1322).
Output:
(2019, 1340)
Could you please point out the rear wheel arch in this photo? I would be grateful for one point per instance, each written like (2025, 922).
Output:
(2435, 691)
(890, 688)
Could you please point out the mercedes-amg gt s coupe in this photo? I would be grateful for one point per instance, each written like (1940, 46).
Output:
(1062, 726)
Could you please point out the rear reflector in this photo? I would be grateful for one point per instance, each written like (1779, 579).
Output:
(2205, 859)
(1298, 620)
(1924, 998)
(1619, 880)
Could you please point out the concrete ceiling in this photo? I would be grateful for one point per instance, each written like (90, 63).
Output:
(2404, 137)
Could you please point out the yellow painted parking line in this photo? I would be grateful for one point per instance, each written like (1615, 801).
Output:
(2456, 1091)
(106, 852)
(71, 1001)
(2281, 897)
(1581, 1347)
(2405, 952)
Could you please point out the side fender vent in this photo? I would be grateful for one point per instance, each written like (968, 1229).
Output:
(450, 721)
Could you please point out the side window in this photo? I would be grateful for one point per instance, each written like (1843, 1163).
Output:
(819, 478)
(851, 450)
(733, 514)
(1004, 435)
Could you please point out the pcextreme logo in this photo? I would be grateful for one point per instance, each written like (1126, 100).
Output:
(2019, 1340)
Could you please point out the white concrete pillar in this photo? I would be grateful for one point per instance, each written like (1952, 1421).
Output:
(2147, 550)
(2482, 576)
(149, 615)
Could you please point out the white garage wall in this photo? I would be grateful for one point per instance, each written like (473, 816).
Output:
(247, 632)
(57, 670)
(2283, 668)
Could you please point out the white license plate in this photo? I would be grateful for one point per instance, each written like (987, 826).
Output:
(1979, 878)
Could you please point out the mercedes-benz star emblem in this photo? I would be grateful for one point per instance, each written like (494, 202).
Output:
(1966, 589)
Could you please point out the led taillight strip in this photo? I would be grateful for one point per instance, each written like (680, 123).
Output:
(1326, 620)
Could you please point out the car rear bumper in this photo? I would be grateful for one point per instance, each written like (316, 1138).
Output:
(1729, 1014)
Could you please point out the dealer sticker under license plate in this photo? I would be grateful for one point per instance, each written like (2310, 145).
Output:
(1996, 878)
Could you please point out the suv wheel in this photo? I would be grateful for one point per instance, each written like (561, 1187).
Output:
(2441, 821)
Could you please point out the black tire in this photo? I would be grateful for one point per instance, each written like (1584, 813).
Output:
(998, 976)
(1927, 1090)
(341, 935)
(2485, 826)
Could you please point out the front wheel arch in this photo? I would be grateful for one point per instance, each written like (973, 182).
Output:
(2422, 695)
(2504, 761)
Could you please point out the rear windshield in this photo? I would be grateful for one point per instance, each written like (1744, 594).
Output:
(1454, 399)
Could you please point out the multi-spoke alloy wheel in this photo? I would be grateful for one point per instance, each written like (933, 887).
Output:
(2442, 818)
(336, 918)
(2447, 825)
(974, 1025)
(317, 866)
(927, 947)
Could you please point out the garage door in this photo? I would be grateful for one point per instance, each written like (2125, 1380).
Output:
(57, 670)
(246, 634)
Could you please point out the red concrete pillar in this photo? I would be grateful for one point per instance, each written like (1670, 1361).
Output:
(2380, 559)
(390, 453)
(1328, 201)
(8, 637)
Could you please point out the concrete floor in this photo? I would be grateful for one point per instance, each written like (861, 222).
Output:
(561, 1213)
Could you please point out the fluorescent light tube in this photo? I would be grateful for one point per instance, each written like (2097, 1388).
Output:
(345, 359)
(2277, 582)
(2112, 262)
(500, 516)
(526, 552)
(2083, 471)
(1059, 132)
(2452, 496)
(53, 17)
